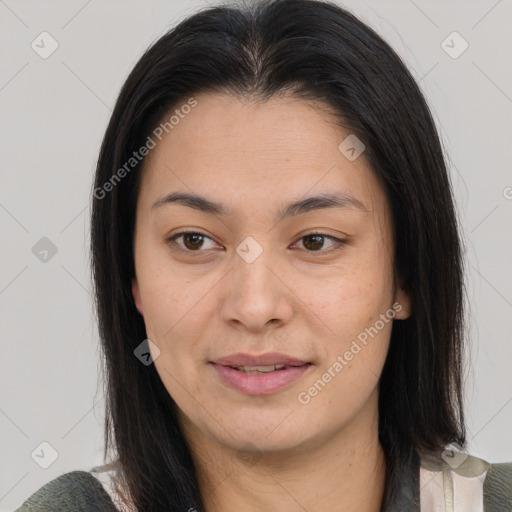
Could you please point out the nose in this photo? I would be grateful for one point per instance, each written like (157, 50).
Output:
(256, 293)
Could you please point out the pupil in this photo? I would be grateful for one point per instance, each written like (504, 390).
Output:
(196, 236)
(319, 239)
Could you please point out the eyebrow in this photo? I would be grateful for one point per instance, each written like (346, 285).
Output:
(322, 201)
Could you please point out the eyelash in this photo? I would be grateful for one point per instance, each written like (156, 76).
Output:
(171, 240)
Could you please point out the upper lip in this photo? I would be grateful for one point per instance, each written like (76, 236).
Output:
(268, 359)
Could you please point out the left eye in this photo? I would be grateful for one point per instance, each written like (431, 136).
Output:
(316, 239)
(193, 242)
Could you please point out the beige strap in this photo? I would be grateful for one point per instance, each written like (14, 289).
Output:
(457, 489)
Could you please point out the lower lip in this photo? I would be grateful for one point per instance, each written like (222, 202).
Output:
(260, 384)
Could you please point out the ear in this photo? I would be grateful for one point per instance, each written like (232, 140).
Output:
(136, 295)
(402, 303)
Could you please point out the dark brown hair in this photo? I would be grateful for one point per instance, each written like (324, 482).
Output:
(319, 51)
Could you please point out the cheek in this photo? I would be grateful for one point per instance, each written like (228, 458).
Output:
(353, 295)
(355, 307)
(350, 369)
(172, 298)
(176, 317)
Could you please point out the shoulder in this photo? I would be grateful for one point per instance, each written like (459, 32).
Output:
(466, 479)
(498, 486)
(76, 490)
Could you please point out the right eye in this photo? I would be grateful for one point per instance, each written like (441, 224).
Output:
(192, 242)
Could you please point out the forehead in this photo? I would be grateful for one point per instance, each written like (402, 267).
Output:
(223, 125)
(240, 151)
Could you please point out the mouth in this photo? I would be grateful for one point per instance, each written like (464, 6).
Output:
(259, 370)
(261, 361)
(260, 380)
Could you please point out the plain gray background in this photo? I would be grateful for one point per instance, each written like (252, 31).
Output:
(53, 115)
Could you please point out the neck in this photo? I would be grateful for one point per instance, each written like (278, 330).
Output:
(345, 471)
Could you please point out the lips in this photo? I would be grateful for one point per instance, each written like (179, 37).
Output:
(268, 359)
(261, 383)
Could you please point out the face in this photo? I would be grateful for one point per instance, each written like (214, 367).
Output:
(313, 283)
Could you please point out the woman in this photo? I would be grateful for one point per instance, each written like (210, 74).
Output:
(279, 279)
